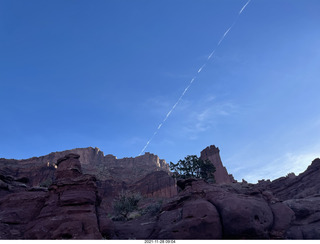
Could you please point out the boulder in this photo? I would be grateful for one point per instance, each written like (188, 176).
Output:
(283, 218)
(189, 219)
(244, 216)
(307, 218)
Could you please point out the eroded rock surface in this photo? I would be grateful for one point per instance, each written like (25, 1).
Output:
(68, 210)
(77, 205)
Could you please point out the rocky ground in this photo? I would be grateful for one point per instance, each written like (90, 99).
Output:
(77, 202)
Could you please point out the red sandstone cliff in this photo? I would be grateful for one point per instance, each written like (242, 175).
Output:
(221, 175)
(146, 174)
(72, 207)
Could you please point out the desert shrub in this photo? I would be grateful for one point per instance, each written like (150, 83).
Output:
(153, 209)
(125, 203)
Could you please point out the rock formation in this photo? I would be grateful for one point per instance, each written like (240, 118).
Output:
(212, 154)
(92, 161)
(292, 186)
(113, 174)
(77, 205)
(69, 209)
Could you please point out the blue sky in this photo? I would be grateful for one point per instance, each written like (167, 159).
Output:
(106, 73)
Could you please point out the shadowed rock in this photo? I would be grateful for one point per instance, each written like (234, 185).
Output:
(75, 205)
(221, 175)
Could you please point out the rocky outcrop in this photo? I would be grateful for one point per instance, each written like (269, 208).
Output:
(188, 217)
(221, 175)
(69, 209)
(237, 211)
(77, 205)
(146, 173)
(232, 215)
(304, 185)
(109, 170)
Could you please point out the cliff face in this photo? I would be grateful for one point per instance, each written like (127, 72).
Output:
(93, 161)
(146, 174)
(76, 205)
(221, 175)
(68, 209)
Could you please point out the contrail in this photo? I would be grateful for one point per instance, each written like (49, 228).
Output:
(224, 35)
(211, 54)
(192, 80)
(201, 68)
(244, 7)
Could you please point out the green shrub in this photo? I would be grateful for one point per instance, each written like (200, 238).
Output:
(125, 203)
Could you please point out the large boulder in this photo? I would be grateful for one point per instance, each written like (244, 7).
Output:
(189, 218)
(307, 218)
(244, 216)
(282, 221)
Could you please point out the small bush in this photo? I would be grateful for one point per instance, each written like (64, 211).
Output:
(153, 209)
(125, 203)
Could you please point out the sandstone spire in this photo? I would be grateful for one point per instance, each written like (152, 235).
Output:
(221, 175)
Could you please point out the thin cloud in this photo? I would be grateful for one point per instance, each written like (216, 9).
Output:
(281, 166)
(206, 114)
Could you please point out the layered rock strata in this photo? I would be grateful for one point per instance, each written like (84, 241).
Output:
(113, 175)
(69, 209)
(75, 206)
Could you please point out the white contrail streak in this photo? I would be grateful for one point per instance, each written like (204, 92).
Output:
(168, 114)
(201, 68)
(244, 7)
(211, 54)
(224, 35)
(192, 80)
